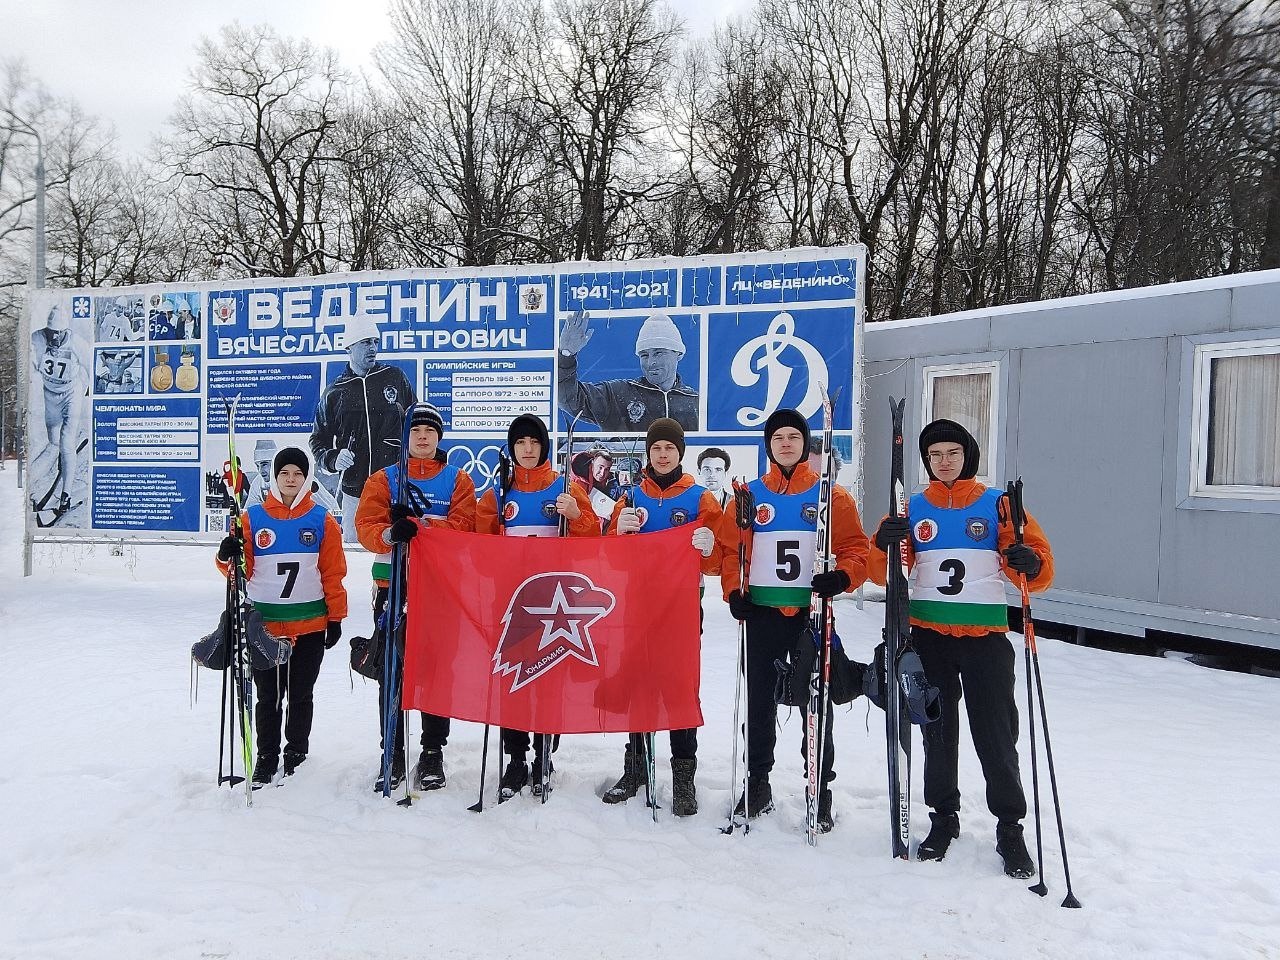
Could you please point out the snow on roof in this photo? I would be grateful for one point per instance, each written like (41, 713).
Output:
(1110, 296)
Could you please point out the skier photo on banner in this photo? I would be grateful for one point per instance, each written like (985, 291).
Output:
(531, 502)
(666, 497)
(357, 422)
(294, 565)
(440, 495)
(773, 595)
(59, 390)
(961, 553)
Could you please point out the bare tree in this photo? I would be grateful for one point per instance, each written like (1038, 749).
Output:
(594, 75)
(256, 136)
(452, 68)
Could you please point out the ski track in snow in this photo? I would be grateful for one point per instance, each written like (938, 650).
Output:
(117, 844)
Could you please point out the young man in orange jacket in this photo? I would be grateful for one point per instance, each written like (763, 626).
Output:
(532, 506)
(667, 497)
(961, 550)
(294, 566)
(780, 547)
(445, 497)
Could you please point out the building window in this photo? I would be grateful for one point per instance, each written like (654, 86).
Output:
(1237, 447)
(965, 393)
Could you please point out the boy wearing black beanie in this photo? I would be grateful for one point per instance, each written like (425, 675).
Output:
(772, 595)
(529, 503)
(445, 496)
(667, 497)
(962, 551)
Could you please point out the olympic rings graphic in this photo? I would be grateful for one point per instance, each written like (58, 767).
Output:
(482, 464)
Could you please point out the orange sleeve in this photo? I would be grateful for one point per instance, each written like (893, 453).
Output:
(587, 524)
(709, 514)
(373, 516)
(333, 569)
(1033, 536)
(727, 538)
(462, 506)
(487, 513)
(848, 542)
(878, 560)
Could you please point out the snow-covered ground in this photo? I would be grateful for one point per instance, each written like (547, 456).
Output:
(117, 844)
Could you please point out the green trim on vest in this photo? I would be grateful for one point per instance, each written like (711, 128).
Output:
(286, 612)
(781, 596)
(991, 615)
(381, 570)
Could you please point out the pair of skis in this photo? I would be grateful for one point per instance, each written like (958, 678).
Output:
(393, 614)
(237, 676)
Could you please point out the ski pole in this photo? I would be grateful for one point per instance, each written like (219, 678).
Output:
(1029, 636)
(743, 517)
(1039, 888)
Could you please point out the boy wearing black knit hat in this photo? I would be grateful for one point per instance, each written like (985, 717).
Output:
(444, 496)
(962, 550)
(779, 582)
(294, 567)
(532, 502)
(666, 497)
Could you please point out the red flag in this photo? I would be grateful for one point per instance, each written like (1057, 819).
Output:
(575, 635)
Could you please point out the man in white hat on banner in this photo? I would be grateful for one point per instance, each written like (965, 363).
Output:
(357, 426)
(628, 405)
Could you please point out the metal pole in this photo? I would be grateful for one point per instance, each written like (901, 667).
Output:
(21, 354)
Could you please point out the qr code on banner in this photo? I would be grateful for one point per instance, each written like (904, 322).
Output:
(218, 523)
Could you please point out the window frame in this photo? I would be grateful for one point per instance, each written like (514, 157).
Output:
(935, 371)
(1203, 355)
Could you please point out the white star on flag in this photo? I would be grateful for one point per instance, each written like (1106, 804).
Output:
(560, 610)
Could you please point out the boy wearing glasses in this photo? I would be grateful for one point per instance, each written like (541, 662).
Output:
(961, 550)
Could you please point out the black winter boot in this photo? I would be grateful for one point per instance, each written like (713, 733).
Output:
(946, 827)
(397, 773)
(430, 772)
(825, 821)
(514, 779)
(1013, 851)
(264, 771)
(633, 777)
(758, 798)
(684, 795)
(292, 760)
(535, 779)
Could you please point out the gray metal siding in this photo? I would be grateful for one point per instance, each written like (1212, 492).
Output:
(1090, 449)
(1096, 406)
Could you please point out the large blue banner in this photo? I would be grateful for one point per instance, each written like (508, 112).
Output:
(130, 387)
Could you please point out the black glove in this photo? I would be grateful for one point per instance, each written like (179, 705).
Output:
(230, 548)
(400, 511)
(332, 634)
(892, 530)
(404, 530)
(741, 607)
(830, 583)
(1023, 559)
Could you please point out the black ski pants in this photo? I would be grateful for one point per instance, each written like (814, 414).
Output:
(979, 669)
(772, 635)
(515, 743)
(296, 681)
(435, 730)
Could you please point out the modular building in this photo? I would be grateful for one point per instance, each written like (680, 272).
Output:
(1146, 426)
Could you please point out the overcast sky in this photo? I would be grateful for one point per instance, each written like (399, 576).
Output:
(126, 60)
